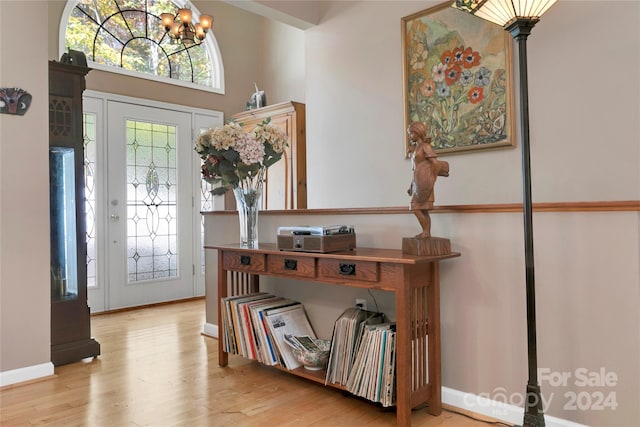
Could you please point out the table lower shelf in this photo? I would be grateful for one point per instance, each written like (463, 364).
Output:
(320, 375)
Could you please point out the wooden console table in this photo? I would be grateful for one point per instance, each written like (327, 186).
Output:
(414, 279)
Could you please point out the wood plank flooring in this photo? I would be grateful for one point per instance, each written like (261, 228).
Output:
(156, 369)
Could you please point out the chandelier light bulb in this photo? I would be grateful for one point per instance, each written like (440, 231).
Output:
(167, 20)
(200, 32)
(185, 16)
(206, 21)
(176, 30)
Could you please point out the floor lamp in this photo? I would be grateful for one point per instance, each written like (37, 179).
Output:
(518, 18)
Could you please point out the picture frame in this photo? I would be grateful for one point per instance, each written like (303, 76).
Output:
(458, 80)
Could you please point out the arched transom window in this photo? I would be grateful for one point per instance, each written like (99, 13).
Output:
(127, 36)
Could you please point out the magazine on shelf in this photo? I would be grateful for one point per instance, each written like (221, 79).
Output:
(389, 380)
(230, 323)
(254, 326)
(290, 320)
(268, 353)
(240, 326)
(302, 343)
(373, 373)
(347, 335)
(250, 328)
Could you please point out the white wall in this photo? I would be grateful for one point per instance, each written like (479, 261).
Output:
(24, 196)
(584, 63)
(584, 115)
(282, 63)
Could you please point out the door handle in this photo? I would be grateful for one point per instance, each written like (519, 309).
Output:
(115, 217)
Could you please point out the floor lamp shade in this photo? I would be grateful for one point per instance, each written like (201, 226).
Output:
(502, 12)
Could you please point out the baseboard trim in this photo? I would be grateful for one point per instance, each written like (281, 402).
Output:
(494, 409)
(210, 330)
(29, 373)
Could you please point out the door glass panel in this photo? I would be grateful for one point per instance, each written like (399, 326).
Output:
(206, 204)
(90, 170)
(151, 201)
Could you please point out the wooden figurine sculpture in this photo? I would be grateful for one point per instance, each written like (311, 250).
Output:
(426, 168)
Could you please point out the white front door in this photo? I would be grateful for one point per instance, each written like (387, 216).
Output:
(143, 198)
(149, 205)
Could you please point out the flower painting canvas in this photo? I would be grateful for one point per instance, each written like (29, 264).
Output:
(458, 82)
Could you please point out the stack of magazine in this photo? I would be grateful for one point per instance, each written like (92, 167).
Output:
(255, 327)
(348, 331)
(362, 357)
(373, 373)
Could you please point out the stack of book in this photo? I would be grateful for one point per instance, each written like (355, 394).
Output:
(255, 326)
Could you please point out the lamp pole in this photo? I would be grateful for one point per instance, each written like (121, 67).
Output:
(518, 17)
(533, 414)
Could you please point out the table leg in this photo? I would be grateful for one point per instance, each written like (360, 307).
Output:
(223, 357)
(403, 352)
(433, 325)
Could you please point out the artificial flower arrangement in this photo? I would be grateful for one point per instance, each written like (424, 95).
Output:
(235, 158)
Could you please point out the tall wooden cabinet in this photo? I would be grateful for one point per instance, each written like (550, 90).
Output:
(70, 316)
(286, 181)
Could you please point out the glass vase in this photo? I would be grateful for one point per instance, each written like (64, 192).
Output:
(248, 200)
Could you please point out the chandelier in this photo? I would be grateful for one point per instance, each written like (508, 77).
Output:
(180, 26)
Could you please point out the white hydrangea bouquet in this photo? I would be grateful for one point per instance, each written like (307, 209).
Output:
(237, 159)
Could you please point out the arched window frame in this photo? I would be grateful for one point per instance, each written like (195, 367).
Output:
(210, 44)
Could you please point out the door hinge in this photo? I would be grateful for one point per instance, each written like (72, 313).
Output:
(194, 269)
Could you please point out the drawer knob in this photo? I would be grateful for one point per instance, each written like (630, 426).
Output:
(347, 269)
(245, 260)
(290, 264)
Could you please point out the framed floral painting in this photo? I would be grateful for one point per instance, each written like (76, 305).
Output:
(458, 79)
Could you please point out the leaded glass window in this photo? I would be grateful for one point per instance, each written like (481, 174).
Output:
(152, 212)
(127, 36)
(89, 140)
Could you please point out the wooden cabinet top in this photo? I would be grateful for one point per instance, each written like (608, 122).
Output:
(359, 254)
(288, 107)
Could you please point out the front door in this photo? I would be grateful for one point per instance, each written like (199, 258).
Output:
(149, 205)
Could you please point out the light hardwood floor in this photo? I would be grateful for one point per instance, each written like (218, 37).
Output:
(156, 369)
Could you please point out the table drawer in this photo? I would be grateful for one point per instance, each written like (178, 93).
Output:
(288, 265)
(345, 269)
(243, 261)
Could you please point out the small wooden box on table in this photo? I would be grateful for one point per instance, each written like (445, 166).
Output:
(414, 279)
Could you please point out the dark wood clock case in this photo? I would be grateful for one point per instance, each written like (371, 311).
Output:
(71, 339)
